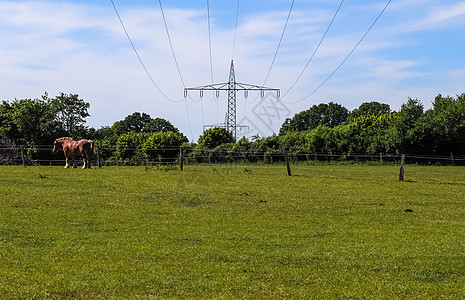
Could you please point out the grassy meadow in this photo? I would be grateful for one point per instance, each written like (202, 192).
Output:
(228, 232)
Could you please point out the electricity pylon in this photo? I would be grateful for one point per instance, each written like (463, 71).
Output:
(232, 87)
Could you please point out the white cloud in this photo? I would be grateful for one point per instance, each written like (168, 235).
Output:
(429, 15)
(58, 46)
(443, 15)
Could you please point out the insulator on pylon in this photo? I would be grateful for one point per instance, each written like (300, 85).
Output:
(185, 93)
(201, 93)
(246, 94)
(262, 94)
(278, 94)
(217, 94)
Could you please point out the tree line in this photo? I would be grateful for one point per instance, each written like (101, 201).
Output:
(372, 128)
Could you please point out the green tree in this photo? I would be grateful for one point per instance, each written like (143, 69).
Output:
(33, 122)
(163, 146)
(120, 134)
(370, 108)
(132, 123)
(213, 137)
(441, 130)
(106, 138)
(159, 125)
(402, 136)
(266, 149)
(367, 133)
(293, 141)
(129, 146)
(7, 127)
(329, 115)
(70, 113)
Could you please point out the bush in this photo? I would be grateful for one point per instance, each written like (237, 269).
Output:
(160, 146)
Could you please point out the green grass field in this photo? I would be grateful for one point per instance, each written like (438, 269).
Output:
(249, 232)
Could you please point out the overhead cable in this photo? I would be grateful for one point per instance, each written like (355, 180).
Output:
(235, 30)
(315, 51)
(139, 58)
(347, 57)
(210, 40)
(280, 41)
(171, 44)
(211, 56)
(176, 62)
(277, 50)
(274, 57)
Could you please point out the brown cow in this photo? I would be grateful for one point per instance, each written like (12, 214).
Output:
(75, 149)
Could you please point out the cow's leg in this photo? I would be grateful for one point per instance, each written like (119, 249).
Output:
(67, 163)
(74, 162)
(84, 162)
(89, 160)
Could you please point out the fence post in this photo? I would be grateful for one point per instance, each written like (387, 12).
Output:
(401, 172)
(452, 158)
(22, 156)
(181, 158)
(286, 158)
(98, 156)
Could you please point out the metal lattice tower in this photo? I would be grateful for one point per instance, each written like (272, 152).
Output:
(231, 118)
(232, 87)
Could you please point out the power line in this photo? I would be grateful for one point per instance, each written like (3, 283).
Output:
(277, 49)
(274, 57)
(176, 62)
(171, 44)
(348, 55)
(280, 41)
(235, 30)
(210, 40)
(138, 56)
(145, 68)
(316, 49)
(211, 55)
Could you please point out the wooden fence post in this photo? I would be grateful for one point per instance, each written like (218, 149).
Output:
(22, 156)
(181, 158)
(286, 158)
(452, 158)
(401, 172)
(98, 157)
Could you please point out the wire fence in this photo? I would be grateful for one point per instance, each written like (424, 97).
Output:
(108, 156)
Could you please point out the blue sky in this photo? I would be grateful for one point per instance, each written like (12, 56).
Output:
(414, 50)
